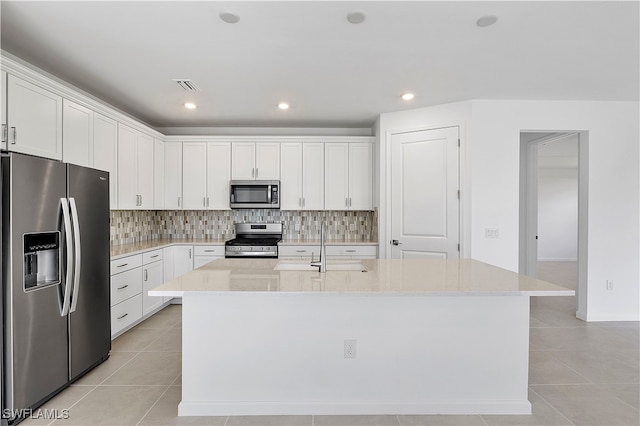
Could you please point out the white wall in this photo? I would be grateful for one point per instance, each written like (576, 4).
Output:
(613, 196)
(490, 162)
(557, 214)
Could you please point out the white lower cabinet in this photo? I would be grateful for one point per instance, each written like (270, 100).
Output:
(126, 292)
(206, 254)
(336, 251)
(126, 313)
(178, 260)
(152, 277)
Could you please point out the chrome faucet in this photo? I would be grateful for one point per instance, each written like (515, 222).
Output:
(322, 263)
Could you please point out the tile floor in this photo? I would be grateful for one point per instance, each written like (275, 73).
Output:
(580, 374)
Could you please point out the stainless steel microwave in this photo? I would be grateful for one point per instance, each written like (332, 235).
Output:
(254, 194)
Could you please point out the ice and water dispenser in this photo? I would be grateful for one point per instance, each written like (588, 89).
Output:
(41, 259)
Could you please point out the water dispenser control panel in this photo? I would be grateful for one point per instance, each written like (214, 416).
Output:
(41, 259)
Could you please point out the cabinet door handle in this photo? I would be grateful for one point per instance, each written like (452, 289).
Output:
(178, 201)
(141, 200)
(204, 201)
(146, 275)
(301, 251)
(346, 202)
(189, 253)
(207, 201)
(15, 136)
(122, 266)
(300, 202)
(122, 316)
(303, 202)
(123, 287)
(253, 172)
(350, 251)
(209, 251)
(256, 173)
(5, 133)
(349, 201)
(154, 256)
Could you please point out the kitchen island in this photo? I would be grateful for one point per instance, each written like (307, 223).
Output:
(375, 337)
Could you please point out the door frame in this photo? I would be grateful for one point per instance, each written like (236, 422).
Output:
(383, 176)
(528, 256)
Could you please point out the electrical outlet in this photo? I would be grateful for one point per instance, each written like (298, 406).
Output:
(296, 227)
(350, 348)
(491, 233)
(609, 284)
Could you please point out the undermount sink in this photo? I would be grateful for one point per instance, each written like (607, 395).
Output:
(292, 265)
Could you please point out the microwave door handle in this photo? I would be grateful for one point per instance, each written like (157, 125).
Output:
(268, 194)
(68, 241)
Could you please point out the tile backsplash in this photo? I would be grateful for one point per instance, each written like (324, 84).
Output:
(133, 226)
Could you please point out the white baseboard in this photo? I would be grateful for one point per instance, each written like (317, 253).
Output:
(607, 317)
(556, 260)
(199, 408)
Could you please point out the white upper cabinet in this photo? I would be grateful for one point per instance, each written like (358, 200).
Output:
(34, 117)
(291, 176)
(255, 161)
(173, 176)
(158, 174)
(302, 176)
(105, 148)
(336, 176)
(77, 134)
(206, 174)
(194, 175)
(135, 169)
(313, 176)
(349, 176)
(145, 168)
(218, 175)
(4, 130)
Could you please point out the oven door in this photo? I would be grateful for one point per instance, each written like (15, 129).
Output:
(254, 194)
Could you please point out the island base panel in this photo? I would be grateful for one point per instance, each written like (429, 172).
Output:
(283, 354)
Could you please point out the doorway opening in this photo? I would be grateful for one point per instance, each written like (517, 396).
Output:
(553, 209)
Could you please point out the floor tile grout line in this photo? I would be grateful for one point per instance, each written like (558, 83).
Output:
(153, 405)
(589, 381)
(552, 406)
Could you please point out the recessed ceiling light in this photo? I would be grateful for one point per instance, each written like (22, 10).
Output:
(356, 16)
(283, 105)
(486, 20)
(190, 105)
(229, 17)
(408, 96)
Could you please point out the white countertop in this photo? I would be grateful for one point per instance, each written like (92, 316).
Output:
(383, 276)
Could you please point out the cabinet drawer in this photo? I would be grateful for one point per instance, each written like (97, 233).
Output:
(208, 250)
(151, 256)
(125, 263)
(125, 285)
(355, 251)
(126, 313)
(298, 251)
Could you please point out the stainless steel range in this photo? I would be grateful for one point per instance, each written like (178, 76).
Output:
(255, 240)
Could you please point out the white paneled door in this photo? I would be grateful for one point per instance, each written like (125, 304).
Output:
(424, 194)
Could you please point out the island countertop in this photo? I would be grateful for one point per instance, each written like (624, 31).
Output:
(428, 277)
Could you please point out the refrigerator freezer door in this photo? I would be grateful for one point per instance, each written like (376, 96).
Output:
(35, 339)
(90, 322)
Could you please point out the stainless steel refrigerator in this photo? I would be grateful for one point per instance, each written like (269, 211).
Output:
(55, 278)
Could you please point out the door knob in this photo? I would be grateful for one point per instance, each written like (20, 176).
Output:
(395, 242)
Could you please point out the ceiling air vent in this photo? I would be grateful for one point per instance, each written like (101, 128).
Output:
(187, 84)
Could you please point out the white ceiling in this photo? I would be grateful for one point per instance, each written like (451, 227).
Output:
(334, 74)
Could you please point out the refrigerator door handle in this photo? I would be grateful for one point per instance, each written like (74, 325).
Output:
(69, 244)
(76, 244)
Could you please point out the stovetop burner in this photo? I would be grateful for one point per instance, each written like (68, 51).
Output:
(255, 240)
(252, 241)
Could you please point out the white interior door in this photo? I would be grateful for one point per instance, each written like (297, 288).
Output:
(424, 194)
